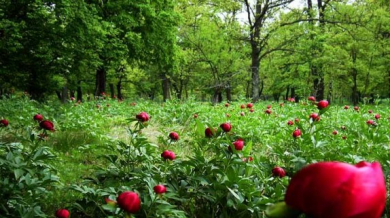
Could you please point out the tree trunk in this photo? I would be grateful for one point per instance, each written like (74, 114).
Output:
(255, 73)
(292, 95)
(119, 89)
(72, 93)
(177, 90)
(217, 96)
(112, 90)
(58, 93)
(276, 96)
(228, 92)
(318, 83)
(186, 91)
(255, 49)
(287, 92)
(315, 70)
(33, 87)
(165, 87)
(64, 95)
(79, 92)
(330, 92)
(355, 94)
(100, 86)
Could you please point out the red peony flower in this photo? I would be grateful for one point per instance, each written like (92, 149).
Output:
(311, 98)
(129, 202)
(142, 117)
(251, 110)
(226, 104)
(370, 111)
(195, 116)
(62, 213)
(356, 108)
(4, 123)
(315, 117)
(269, 106)
(47, 125)
(174, 136)
(268, 111)
(346, 107)
(334, 132)
(160, 189)
(226, 127)
(168, 155)
(322, 104)
(297, 133)
(208, 133)
(238, 144)
(344, 137)
(338, 190)
(249, 105)
(278, 172)
(38, 117)
(377, 116)
(242, 106)
(290, 123)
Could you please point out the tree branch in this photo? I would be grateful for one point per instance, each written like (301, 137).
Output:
(316, 19)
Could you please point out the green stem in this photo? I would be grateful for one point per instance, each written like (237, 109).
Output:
(151, 206)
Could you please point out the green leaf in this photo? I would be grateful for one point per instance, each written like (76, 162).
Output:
(199, 128)
(246, 151)
(18, 173)
(239, 197)
(281, 210)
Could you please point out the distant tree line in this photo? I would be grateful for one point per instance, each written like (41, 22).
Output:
(213, 50)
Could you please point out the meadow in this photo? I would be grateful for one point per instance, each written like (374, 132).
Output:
(237, 168)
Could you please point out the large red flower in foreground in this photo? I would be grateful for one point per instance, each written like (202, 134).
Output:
(338, 190)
